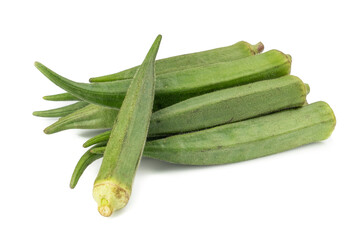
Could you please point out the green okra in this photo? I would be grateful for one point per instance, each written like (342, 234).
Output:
(224, 106)
(174, 87)
(88, 117)
(62, 111)
(100, 138)
(83, 163)
(199, 59)
(61, 97)
(112, 187)
(249, 139)
(238, 50)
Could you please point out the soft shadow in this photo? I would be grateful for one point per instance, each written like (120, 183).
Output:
(122, 211)
(302, 147)
(149, 166)
(155, 166)
(48, 121)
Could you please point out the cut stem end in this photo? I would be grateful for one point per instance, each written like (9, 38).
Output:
(110, 197)
(259, 47)
(105, 208)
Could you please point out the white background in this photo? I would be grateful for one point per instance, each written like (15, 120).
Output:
(311, 192)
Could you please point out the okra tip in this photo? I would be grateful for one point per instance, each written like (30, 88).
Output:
(37, 64)
(53, 128)
(98, 150)
(48, 130)
(37, 113)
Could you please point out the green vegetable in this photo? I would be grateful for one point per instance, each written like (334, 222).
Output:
(89, 117)
(100, 138)
(253, 138)
(61, 97)
(219, 106)
(112, 187)
(174, 87)
(224, 106)
(62, 111)
(83, 163)
(238, 50)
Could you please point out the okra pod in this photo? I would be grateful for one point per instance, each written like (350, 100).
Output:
(174, 87)
(224, 106)
(207, 110)
(62, 111)
(112, 187)
(83, 163)
(89, 117)
(61, 97)
(100, 138)
(199, 59)
(245, 140)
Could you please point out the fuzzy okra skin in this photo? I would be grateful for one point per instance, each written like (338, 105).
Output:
(174, 87)
(224, 106)
(236, 51)
(249, 139)
(199, 59)
(88, 117)
(112, 187)
(207, 110)
(62, 111)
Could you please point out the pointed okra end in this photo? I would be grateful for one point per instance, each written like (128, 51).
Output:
(98, 150)
(39, 66)
(110, 196)
(48, 98)
(38, 114)
(53, 128)
(47, 130)
(60, 97)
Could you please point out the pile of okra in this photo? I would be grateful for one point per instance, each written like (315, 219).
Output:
(219, 106)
